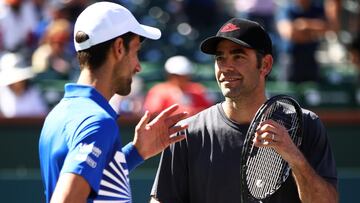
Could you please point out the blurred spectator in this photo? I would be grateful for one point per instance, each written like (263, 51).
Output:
(53, 58)
(178, 89)
(261, 11)
(18, 98)
(332, 11)
(354, 53)
(58, 9)
(75, 7)
(301, 25)
(18, 20)
(53, 10)
(40, 8)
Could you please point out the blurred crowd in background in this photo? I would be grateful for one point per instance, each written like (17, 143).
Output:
(314, 41)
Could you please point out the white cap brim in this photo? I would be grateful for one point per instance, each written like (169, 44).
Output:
(103, 21)
(149, 32)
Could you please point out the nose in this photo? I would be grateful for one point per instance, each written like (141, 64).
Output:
(224, 66)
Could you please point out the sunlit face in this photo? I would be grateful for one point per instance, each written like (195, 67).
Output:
(236, 70)
(58, 42)
(127, 68)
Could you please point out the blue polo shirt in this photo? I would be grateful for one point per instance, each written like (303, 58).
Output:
(81, 136)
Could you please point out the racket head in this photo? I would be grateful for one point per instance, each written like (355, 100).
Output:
(263, 170)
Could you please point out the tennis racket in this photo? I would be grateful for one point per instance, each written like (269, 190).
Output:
(262, 169)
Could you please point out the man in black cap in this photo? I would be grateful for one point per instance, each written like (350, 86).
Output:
(205, 167)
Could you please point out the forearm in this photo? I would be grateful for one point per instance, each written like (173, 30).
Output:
(332, 10)
(311, 186)
(71, 188)
(302, 30)
(308, 30)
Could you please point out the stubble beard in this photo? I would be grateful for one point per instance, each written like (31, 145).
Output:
(124, 88)
(231, 93)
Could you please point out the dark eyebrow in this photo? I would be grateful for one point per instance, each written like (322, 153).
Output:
(238, 51)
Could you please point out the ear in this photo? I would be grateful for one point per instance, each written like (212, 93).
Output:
(266, 65)
(118, 48)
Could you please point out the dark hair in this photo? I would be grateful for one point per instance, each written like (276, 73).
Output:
(95, 56)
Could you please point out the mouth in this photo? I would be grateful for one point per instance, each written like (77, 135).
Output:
(228, 79)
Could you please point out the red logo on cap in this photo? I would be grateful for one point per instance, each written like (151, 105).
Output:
(229, 27)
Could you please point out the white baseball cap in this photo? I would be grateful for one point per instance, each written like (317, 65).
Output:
(179, 65)
(104, 21)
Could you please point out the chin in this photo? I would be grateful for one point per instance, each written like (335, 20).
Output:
(230, 94)
(225, 92)
(124, 92)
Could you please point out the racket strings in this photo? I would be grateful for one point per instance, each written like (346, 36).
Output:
(292, 126)
(261, 180)
(284, 113)
(265, 165)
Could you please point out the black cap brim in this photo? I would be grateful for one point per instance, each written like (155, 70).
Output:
(209, 45)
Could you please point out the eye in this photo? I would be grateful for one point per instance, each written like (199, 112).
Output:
(238, 56)
(219, 58)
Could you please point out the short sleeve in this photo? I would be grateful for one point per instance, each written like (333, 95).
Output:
(171, 181)
(316, 148)
(90, 149)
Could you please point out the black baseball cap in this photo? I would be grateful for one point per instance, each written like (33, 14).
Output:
(243, 32)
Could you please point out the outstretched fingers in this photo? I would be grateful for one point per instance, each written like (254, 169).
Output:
(166, 113)
(144, 120)
(174, 139)
(176, 129)
(169, 119)
(173, 119)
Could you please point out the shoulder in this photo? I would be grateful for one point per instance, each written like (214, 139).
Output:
(97, 121)
(202, 118)
(309, 114)
(309, 117)
(101, 129)
(314, 131)
(76, 119)
(312, 124)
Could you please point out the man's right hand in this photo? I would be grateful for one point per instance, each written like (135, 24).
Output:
(153, 137)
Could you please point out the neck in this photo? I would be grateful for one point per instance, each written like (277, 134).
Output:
(243, 110)
(96, 79)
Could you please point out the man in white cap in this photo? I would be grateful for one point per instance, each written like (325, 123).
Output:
(178, 88)
(80, 151)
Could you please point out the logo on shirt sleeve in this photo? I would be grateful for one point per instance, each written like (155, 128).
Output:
(85, 150)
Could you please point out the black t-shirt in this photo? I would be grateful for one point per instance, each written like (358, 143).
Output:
(205, 167)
